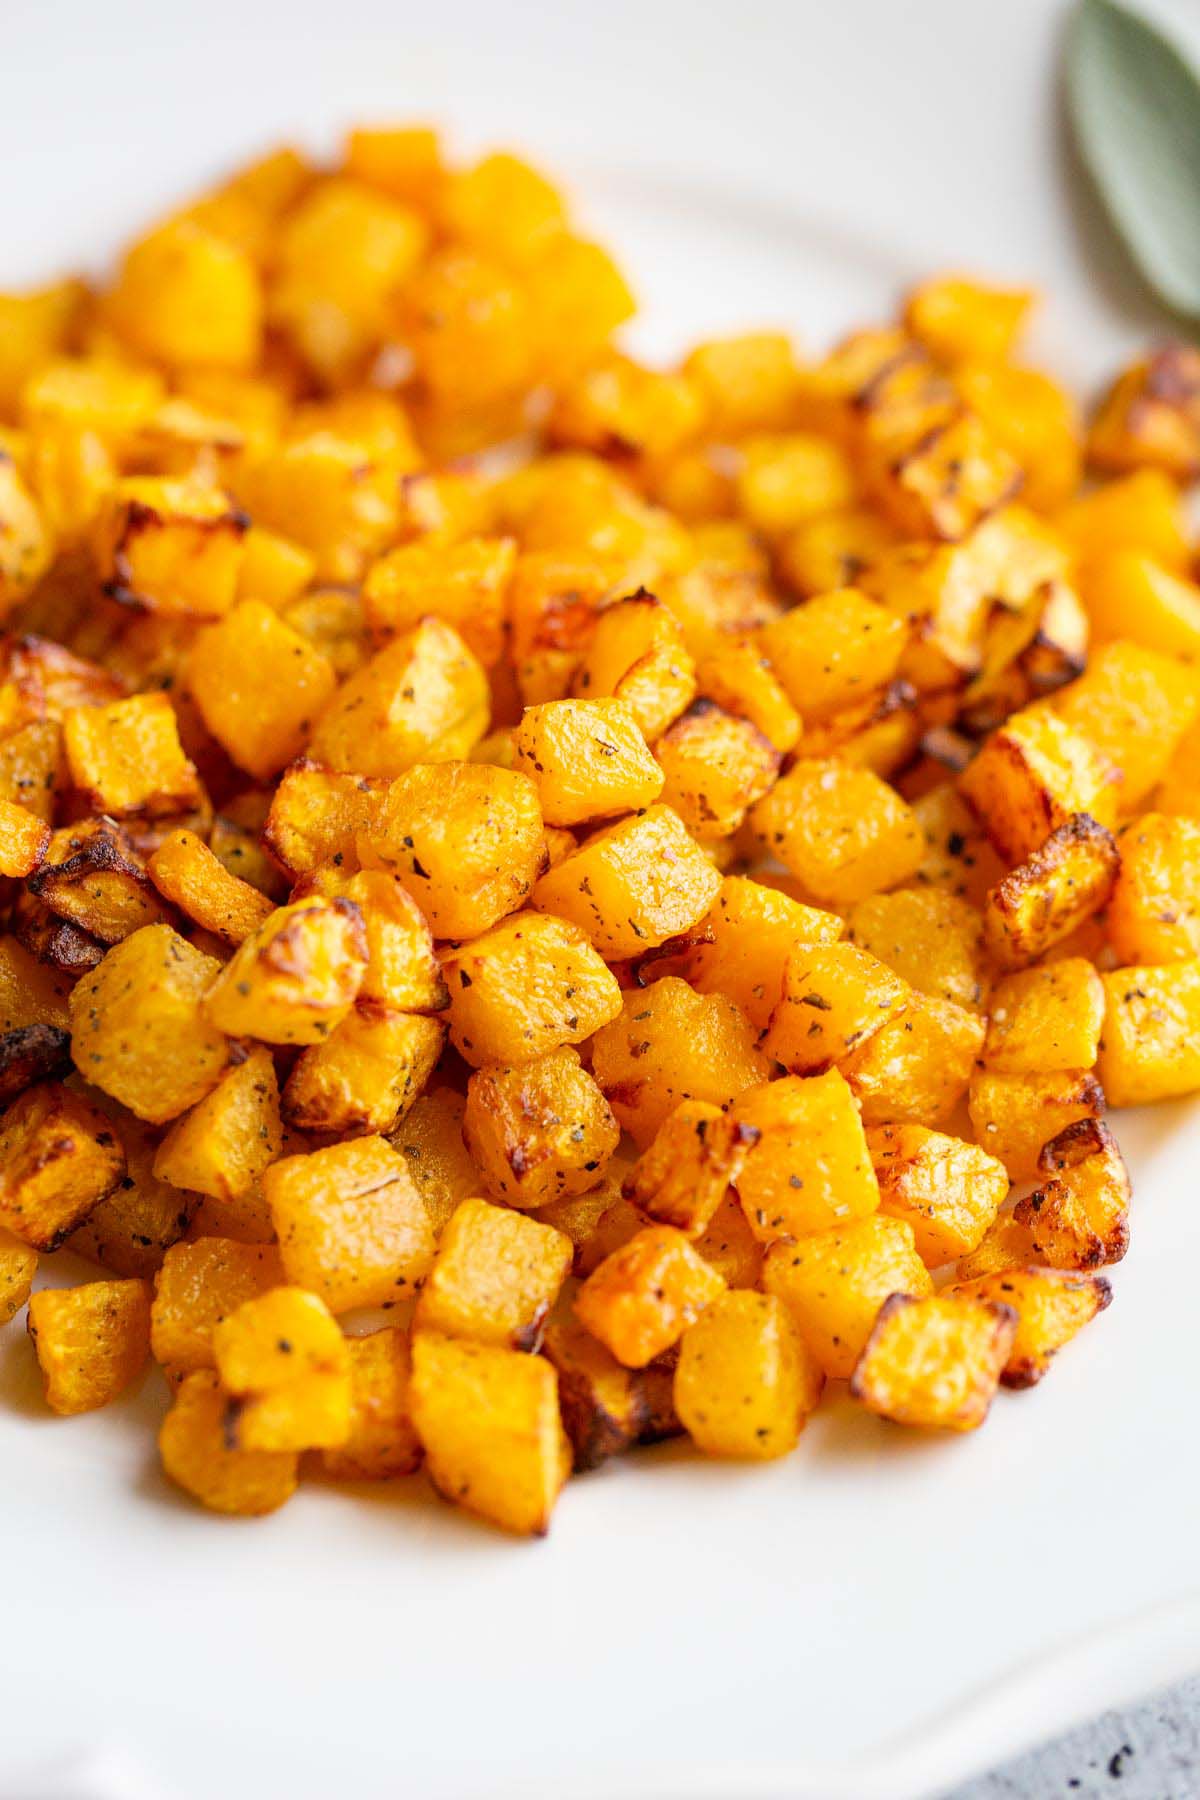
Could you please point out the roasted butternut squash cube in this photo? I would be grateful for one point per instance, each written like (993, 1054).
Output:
(958, 857)
(26, 546)
(467, 323)
(402, 972)
(835, 997)
(139, 1030)
(465, 584)
(185, 872)
(1046, 1019)
(749, 381)
(671, 1044)
(31, 1053)
(932, 939)
(130, 1230)
(1129, 595)
(173, 547)
(58, 1158)
(1134, 705)
(1154, 909)
(236, 846)
(259, 685)
(1035, 419)
(606, 1408)
(834, 650)
(424, 698)
(329, 491)
(198, 1456)
(403, 160)
(382, 1440)
(1078, 1218)
(197, 1286)
(294, 978)
(917, 1066)
(746, 1380)
(1049, 895)
(1031, 776)
(633, 885)
(127, 757)
(274, 568)
(352, 1226)
(91, 1341)
(683, 1176)
(1014, 1115)
(946, 479)
(502, 207)
(1150, 417)
(962, 320)
(527, 986)
(111, 396)
(618, 405)
(1052, 1306)
(833, 1284)
(743, 942)
(539, 1130)
(806, 1166)
(588, 760)
(935, 1361)
(489, 1422)
(187, 298)
(843, 832)
(430, 1140)
(365, 1075)
(643, 1297)
(36, 326)
(465, 839)
(1143, 511)
(947, 1190)
(316, 815)
(226, 1142)
(1150, 1049)
(32, 767)
(495, 1277)
(93, 877)
(738, 677)
(283, 1361)
(730, 1247)
(716, 766)
(637, 654)
(18, 1266)
(24, 840)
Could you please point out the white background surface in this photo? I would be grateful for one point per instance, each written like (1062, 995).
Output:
(878, 1614)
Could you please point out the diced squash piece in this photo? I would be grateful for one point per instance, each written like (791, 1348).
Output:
(682, 1177)
(283, 1360)
(785, 480)
(273, 568)
(423, 698)
(31, 1053)
(834, 650)
(259, 685)
(958, 857)
(843, 832)
(1154, 910)
(935, 1361)
(606, 1408)
(962, 320)
(127, 757)
(365, 1075)
(58, 1158)
(138, 1027)
(489, 1422)
(185, 872)
(1134, 705)
(1052, 1305)
(93, 877)
(947, 1190)
(738, 677)
(188, 298)
(716, 766)
(1150, 417)
(316, 815)
(402, 967)
(538, 1130)
(18, 1266)
(835, 997)
(833, 1284)
(637, 654)
(495, 1277)
(197, 1286)
(918, 1065)
(1150, 1049)
(465, 584)
(352, 1226)
(173, 547)
(806, 1165)
(749, 381)
(294, 978)
(1143, 511)
(198, 1457)
(746, 1380)
(226, 1142)
(671, 1044)
(525, 987)
(1046, 898)
(643, 1297)
(932, 938)
(91, 1341)
(1079, 1217)
(465, 839)
(1045, 1019)
(130, 1230)
(382, 1441)
(632, 885)
(431, 1141)
(743, 942)
(24, 840)
(1031, 776)
(1128, 595)
(1014, 1115)
(588, 760)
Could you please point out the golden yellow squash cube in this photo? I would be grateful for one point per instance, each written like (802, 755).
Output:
(188, 299)
(1045, 1019)
(843, 832)
(1134, 705)
(834, 650)
(525, 987)
(746, 1380)
(588, 760)
(185, 872)
(283, 1360)
(198, 1456)
(606, 1408)
(422, 699)
(295, 978)
(316, 815)
(835, 997)
(465, 584)
(642, 1298)
(935, 1361)
(260, 686)
(1031, 776)
(127, 757)
(683, 1176)
(365, 1075)
(430, 1139)
(806, 1166)
(1014, 1115)
(947, 1190)
(495, 1277)
(91, 1341)
(918, 1065)
(716, 764)
(1052, 1305)
(744, 940)
(24, 840)
(637, 654)
(1150, 1049)
(632, 885)
(833, 1284)
(931, 937)
(173, 547)
(1060, 886)
(197, 1286)
(226, 1142)
(538, 1130)
(1154, 911)
(382, 1440)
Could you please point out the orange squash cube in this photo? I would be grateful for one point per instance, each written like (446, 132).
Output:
(683, 1176)
(1154, 910)
(91, 1341)
(524, 988)
(185, 872)
(588, 760)
(365, 1075)
(1046, 1019)
(296, 977)
(283, 1360)
(495, 1277)
(843, 832)
(198, 1457)
(947, 1190)
(633, 885)
(1014, 1115)
(226, 1142)
(382, 1440)
(935, 1361)
(1150, 1049)
(637, 654)
(806, 1166)
(833, 1284)
(538, 1130)
(196, 1287)
(260, 686)
(917, 1066)
(1051, 1305)
(465, 584)
(643, 1297)
(424, 698)
(835, 997)
(1046, 898)
(746, 1380)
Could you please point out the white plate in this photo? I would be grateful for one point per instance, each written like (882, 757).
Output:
(877, 1615)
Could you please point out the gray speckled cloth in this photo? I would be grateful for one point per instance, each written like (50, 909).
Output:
(1150, 1752)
